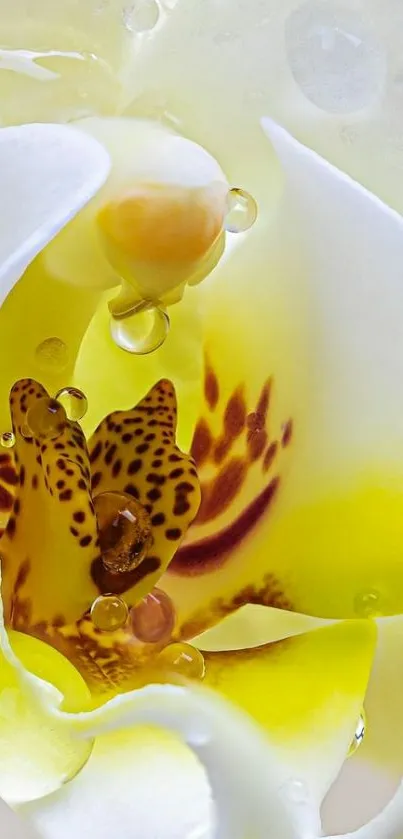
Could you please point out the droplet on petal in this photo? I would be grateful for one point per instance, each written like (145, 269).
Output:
(367, 604)
(46, 419)
(141, 332)
(141, 16)
(74, 402)
(183, 660)
(153, 619)
(7, 440)
(359, 734)
(52, 355)
(109, 612)
(124, 528)
(242, 211)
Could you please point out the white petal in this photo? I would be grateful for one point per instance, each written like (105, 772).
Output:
(47, 174)
(12, 826)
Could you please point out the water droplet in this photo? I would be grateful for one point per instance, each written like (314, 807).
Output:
(359, 734)
(7, 440)
(183, 659)
(109, 612)
(52, 355)
(74, 402)
(141, 16)
(296, 791)
(242, 211)
(153, 619)
(124, 529)
(367, 604)
(141, 332)
(334, 56)
(46, 419)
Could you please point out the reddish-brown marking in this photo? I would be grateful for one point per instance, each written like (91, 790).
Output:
(201, 443)
(256, 444)
(119, 583)
(235, 414)
(218, 494)
(270, 454)
(287, 431)
(210, 553)
(6, 499)
(211, 387)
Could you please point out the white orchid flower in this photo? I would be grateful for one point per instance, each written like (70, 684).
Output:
(201, 593)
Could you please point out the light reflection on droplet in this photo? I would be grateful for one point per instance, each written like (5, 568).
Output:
(183, 660)
(359, 734)
(7, 440)
(141, 16)
(242, 211)
(124, 528)
(74, 402)
(46, 419)
(141, 332)
(52, 355)
(368, 604)
(109, 612)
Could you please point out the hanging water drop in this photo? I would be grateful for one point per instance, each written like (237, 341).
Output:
(124, 529)
(153, 619)
(141, 16)
(109, 612)
(46, 419)
(7, 440)
(183, 660)
(367, 604)
(52, 355)
(359, 734)
(242, 211)
(141, 332)
(74, 402)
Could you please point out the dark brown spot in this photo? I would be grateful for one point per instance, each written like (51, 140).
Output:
(95, 480)
(96, 452)
(116, 468)
(61, 464)
(160, 451)
(174, 458)
(85, 541)
(154, 494)
(8, 474)
(74, 531)
(156, 464)
(66, 495)
(173, 534)
(22, 476)
(201, 557)
(17, 506)
(81, 484)
(35, 481)
(181, 507)
(60, 484)
(79, 516)
(286, 433)
(11, 524)
(143, 447)
(134, 466)
(132, 490)
(218, 494)
(127, 438)
(158, 519)
(110, 454)
(256, 444)
(235, 414)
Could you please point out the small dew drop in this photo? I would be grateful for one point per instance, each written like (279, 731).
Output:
(46, 419)
(153, 619)
(52, 355)
(109, 612)
(74, 402)
(367, 604)
(7, 440)
(183, 660)
(359, 734)
(124, 529)
(141, 16)
(242, 211)
(141, 332)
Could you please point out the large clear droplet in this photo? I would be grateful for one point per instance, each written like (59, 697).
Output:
(367, 604)
(141, 16)
(153, 618)
(52, 355)
(109, 612)
(141, 332)
(46, 419)
(334, 56)
(359, 734)
(7, 440)
(124, 530)
(182, 660)
(74, 402)
(242, 211)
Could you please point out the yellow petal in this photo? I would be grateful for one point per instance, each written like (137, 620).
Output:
(135, 452)
(306, 691)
